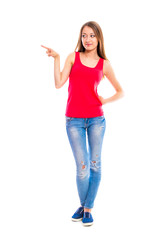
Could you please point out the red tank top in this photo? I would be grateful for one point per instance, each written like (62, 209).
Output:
(83, 101)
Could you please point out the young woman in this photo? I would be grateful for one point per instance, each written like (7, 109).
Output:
(84, 115)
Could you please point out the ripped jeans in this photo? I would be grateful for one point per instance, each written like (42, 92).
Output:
(88, 162)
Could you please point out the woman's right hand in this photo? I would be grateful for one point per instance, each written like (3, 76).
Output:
(50, 52)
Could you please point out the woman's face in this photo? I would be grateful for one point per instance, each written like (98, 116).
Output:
(88, 38)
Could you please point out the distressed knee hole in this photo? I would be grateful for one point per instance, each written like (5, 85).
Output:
(83, 166)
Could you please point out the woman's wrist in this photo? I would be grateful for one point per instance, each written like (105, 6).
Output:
(56, 57)
(115, 97)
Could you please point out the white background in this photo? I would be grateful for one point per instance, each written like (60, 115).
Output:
(37, 169)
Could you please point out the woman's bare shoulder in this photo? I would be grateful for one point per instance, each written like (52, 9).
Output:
(106, 66)
(71, 57)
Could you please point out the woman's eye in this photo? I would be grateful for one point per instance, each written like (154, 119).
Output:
(90, 35)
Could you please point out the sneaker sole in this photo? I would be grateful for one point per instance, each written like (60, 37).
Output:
(76, 219)
(87, 224)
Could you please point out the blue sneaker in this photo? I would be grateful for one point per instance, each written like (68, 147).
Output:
(87, 219)
(78, 215)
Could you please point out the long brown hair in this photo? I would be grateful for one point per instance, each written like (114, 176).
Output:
(99, 35)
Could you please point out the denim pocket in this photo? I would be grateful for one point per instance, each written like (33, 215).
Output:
(68, 119)
(101, 117)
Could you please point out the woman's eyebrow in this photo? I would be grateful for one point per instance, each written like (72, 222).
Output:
(85, 33)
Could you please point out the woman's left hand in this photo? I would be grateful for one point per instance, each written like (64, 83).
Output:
(102, 100)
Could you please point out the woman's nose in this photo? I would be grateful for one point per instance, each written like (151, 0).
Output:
(88, 38)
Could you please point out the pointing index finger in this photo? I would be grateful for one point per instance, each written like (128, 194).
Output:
(44, 47)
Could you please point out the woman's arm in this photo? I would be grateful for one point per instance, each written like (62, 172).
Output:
(109, 73)
(57, 75)
(60, 77)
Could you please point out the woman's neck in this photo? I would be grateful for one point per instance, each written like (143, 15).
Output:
(91, 53)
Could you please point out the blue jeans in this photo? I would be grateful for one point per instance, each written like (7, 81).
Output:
(88, 162)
